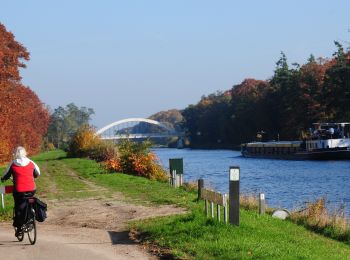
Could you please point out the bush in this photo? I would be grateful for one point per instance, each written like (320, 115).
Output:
(113, 165)
(136, 158)
(127, 157)
(85, 143)
(102, 151)
(82, 142)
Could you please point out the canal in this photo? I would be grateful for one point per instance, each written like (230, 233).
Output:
(287, 184)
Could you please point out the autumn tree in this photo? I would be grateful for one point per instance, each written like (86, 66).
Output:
(337, 86)
(171, 118)
(312, 96)
(23, 118)
(12, 54)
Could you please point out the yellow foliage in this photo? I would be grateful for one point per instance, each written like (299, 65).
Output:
(83, 141)
(128, 157)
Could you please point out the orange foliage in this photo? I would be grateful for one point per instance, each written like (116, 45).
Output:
(113, 165)
(23, 118)
(143, 163)
(11, 53)
(250, 88)
(135, 158)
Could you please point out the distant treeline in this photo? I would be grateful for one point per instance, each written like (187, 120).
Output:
(284, 106)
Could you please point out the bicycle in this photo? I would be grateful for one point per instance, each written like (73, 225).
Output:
(29, 225)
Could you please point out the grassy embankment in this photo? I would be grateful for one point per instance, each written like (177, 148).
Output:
(191, 235)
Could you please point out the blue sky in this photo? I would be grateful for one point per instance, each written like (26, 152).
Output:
(134, 58)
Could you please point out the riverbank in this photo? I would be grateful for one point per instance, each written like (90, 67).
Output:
(189, 235)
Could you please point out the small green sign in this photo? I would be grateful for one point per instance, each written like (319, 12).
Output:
(176, 165)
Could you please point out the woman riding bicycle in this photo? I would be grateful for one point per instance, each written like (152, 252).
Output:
(23, 170)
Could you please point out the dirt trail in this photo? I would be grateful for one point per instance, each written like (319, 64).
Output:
(87, 229)
(93, 228)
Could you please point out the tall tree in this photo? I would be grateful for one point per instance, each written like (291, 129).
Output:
(23, 118)
(65, 121)
(12, 54)
(311, 103)
(205, 123)
(248, 113)
(337, 86)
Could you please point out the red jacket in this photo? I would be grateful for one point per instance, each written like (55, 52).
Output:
(23, 171)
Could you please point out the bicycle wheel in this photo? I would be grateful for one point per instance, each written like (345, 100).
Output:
(20, 235)
(32, 231)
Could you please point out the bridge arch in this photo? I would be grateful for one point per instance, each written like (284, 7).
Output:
(128, 120)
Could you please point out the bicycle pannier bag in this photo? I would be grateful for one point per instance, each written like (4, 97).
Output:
(40, 211)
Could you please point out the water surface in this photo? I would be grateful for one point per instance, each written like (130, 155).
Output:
(288, 184)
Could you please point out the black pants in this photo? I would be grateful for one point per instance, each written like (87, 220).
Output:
(20, 199)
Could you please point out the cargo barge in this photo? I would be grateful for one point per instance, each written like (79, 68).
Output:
(326, 142)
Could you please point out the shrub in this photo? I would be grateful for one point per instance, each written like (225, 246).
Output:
(136, 158)
(113, 165)
(127, 157)
(85, 142)
(102, 151)
(82, 142)
(50, 147)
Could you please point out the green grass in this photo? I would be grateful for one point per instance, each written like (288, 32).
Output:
(190, 235)
(137, 188)
(58, 181)
(6, 213)
(257, 237)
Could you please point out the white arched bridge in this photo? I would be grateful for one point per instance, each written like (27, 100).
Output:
(137, 128)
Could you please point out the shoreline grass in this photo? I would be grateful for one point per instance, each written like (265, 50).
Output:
(317, 218)
(258, 237)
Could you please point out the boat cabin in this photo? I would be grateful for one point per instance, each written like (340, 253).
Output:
(327, 136)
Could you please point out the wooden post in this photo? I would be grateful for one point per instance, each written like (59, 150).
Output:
(206, 207)
(171, 179)
(234, 195)
(218, 212)
(181, 176)
(213, 198)
(262, 204)
(178, 180)
(200, 187)
(225, 209)
(174, 178)
(2, 201)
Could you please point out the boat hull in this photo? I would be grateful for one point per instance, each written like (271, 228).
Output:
(318, 154)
